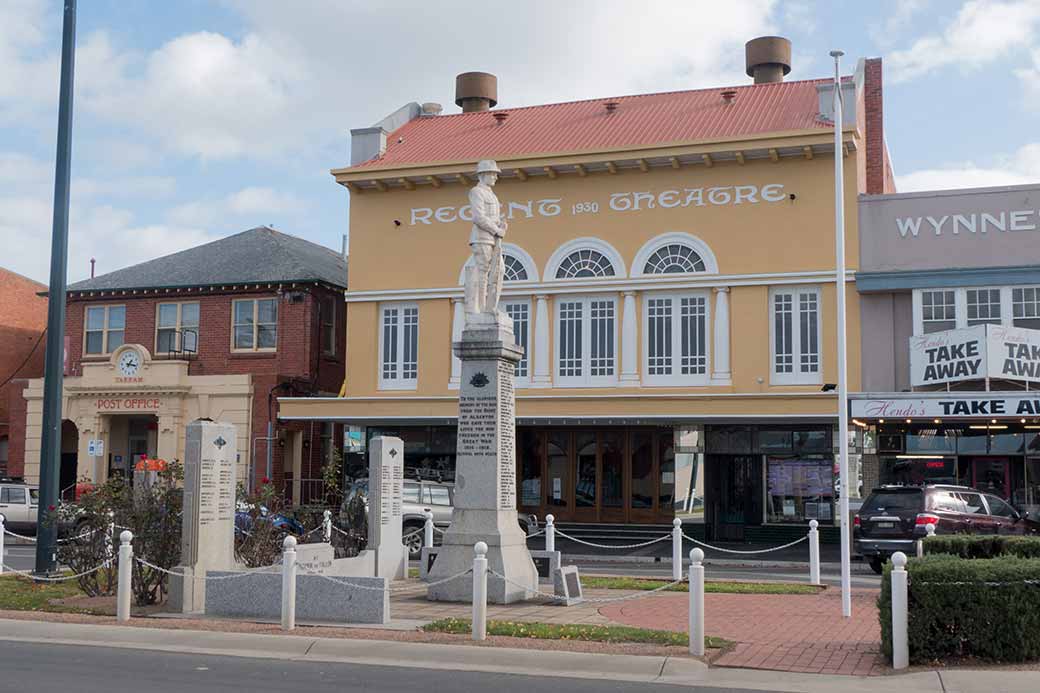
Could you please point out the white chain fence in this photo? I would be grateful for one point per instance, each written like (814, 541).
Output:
(746, 553)
(619, 547)
(235, 575)
(590, 600)
(400, 589)
(42, 578)
(66, 540)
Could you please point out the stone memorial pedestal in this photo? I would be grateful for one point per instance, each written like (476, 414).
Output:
(485, 471)
(208, 529)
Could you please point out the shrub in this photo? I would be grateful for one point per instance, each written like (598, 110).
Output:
(983, 546)
(987, 608)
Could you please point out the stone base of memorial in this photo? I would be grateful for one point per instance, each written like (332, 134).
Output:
(485, 471)
(259, 596)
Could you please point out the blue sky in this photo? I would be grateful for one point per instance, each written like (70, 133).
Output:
(195, 119)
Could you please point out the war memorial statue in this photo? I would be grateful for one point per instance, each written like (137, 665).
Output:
(485, 471)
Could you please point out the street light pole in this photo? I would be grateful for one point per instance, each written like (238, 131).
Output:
(843, 385)
(54, 364)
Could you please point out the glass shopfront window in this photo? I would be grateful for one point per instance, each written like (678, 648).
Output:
(530, 449)
(429, 451)
(914, 472)
(932, 440)
(799, 489)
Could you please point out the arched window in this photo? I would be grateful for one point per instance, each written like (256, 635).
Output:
(515, 270)
(585, 263)
(674, 258)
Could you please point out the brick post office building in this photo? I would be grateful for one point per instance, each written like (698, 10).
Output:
(670, 273)
(23, 317)
(214, 331)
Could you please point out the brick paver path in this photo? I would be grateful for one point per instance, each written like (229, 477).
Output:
(804, 633)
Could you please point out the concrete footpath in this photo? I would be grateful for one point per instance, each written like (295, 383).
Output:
(662, 670)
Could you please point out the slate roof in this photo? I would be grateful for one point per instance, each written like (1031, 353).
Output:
(260, 255)
(640, 120)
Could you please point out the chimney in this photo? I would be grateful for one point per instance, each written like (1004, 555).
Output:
(768, 58)
(476, 91)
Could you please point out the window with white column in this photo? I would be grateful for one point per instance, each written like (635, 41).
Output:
(795, 336)
(586, 341)
(399, 347)
(675, 339)
(520, 312)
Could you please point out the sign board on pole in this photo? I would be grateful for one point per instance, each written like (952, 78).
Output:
(975, 353)
(96, 447)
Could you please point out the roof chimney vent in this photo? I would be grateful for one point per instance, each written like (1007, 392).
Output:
(728, 95)
(612, 106)
(432, 108)
(501, 116)
(768, 58)
(476, 91)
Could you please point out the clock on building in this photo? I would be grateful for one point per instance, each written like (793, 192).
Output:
(130, 362)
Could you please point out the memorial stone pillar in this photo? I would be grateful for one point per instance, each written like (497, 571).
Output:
(485, 472)
(385, 498)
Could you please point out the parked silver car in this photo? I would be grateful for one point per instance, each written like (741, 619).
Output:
(438, 498)
(19, 504)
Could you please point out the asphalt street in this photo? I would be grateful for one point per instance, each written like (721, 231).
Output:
(87, 669)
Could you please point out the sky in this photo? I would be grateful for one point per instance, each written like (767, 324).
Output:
(197, 119)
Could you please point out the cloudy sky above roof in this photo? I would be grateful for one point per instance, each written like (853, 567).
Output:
(196, 119)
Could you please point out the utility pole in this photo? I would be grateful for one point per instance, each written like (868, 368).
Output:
(54, 366)
(843, 382)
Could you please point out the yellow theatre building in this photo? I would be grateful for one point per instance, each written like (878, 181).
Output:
(670, 271)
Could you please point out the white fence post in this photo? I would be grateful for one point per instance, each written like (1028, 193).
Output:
(2, 533)
(124, 587)
(480, 565)
(677, 549)
(326, 525)
(428, 530)
(929, 531)
(550, 533)
(814, 552)
(900, 617)
(289, 583)
(696, 602)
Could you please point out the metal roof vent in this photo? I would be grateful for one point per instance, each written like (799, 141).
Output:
(768, 58)
(432, 108)
(476, 91)
(728, 95)
(500, 116)
(612, 106)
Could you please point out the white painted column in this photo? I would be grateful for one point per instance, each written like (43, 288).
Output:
(629, 333)
(458, 321)
(721, 371)
(541, 359)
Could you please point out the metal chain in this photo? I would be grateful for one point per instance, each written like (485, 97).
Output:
(413, 533)
(66, 540)
(64, 578)
(746, 553)
(251, 571)
(590, 600)
(619, 547)
(531, 536)
(392, 590)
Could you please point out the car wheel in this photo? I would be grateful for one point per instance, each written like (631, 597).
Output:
(877, 565)
(413, 543)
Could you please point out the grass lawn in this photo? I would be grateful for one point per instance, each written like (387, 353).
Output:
(633, 583)
(21, 594)
(552, 631)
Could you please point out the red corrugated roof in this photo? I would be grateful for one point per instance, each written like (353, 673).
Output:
(640, 120)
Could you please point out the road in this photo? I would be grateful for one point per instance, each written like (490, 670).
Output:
(85, 669)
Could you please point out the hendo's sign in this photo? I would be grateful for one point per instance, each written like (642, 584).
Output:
(720, 196)
(973, 353)
(950, 405)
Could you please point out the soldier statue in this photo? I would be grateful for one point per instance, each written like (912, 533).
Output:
(485, 272)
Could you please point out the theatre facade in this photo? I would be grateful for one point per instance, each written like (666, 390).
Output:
(670, 274)
(949, 288)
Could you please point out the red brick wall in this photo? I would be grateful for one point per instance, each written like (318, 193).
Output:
(879, 178)
(23, 317)
(298, 356)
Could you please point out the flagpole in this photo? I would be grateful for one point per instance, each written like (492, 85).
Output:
(843, 385)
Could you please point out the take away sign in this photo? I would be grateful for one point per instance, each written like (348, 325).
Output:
(975, 353)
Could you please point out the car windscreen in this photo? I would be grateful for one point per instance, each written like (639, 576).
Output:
(879, 502)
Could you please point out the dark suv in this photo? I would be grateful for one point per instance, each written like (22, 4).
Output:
(893, 518)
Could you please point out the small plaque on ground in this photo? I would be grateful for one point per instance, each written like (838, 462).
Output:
(567, 586)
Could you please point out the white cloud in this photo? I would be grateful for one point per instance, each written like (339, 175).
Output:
(1030, 80)
(1020, 168)
(982, 32)
(247, 202)
(895, 21)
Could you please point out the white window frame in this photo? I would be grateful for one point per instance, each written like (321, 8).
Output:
(179, 326)
(523, 380)
(796, 377)
(1023, 288)
(1007, 318)
(585, 379)
(676, 377)
(398, 381)
(256, 325)
(106, 350)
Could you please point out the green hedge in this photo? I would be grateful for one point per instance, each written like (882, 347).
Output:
(988, 609)
(983, 546)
